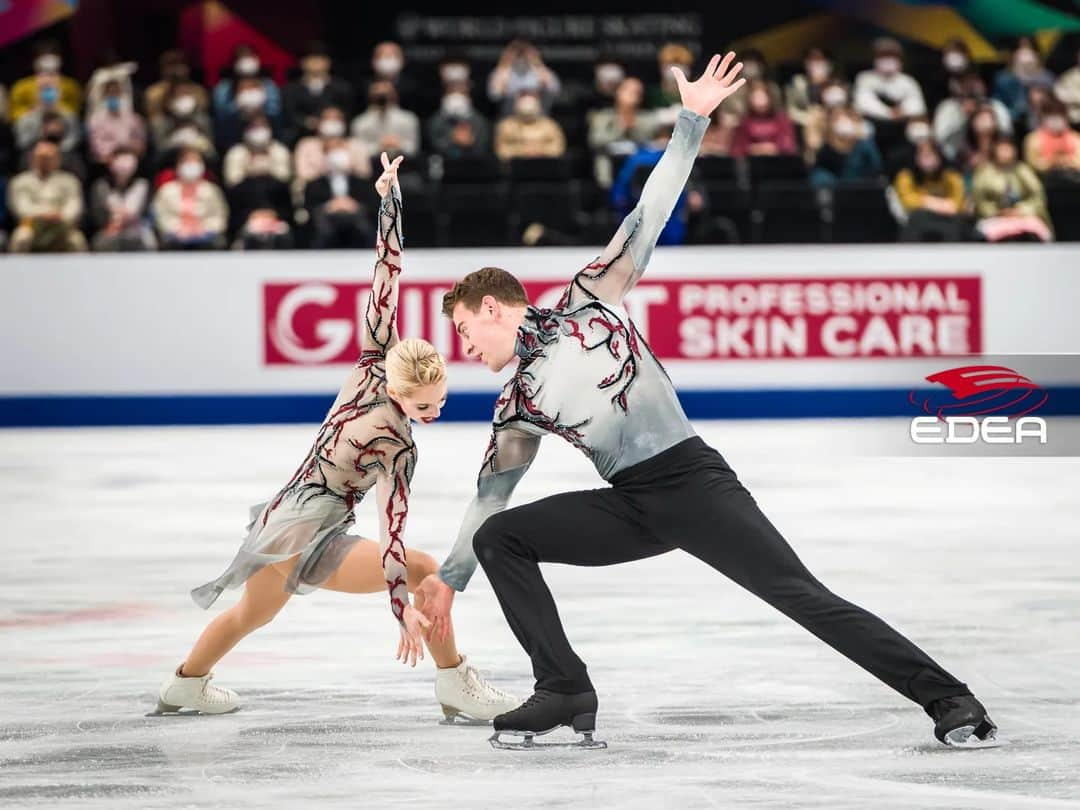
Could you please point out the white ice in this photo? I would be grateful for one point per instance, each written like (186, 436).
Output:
(708, 698)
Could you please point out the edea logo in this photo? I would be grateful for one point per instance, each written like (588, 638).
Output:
(982, 403)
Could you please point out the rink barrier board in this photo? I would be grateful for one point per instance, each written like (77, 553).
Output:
(471, 406)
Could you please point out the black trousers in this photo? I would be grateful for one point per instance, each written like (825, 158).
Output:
(686, 497)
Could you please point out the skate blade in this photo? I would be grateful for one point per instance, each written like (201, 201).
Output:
(452, 717)
(968, 737)
(528, 743)
(167, 710)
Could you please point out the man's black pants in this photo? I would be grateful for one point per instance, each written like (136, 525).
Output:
(685, 497)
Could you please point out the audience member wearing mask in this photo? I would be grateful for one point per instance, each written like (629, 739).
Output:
(620, 129)
(953, 114)
(241, 94)
(886, 95)
(625, 191)
(34, 125)
(1067, 88)
(315, 89)
(457, 130)
(180, 110)
(764, 129)
(26, 92)
(666, 93)
(521, 68)
(1012, 82)
(115, 125)
(190, 211)
(111, 78)
(528, 133)
(803, 92)
(608, 74)
(63, 131)
(932, 196)
(258, 153)
(846, 154)
(46, 204)
(118, 206)
(388, 64)
(1009, 198)
(334, 202)
(309, 159)
(835, 95)
(1053, 148)
(175, 70)
(901, 155)
(384, 126)
(982, 131)
(946, 81)
(257, 175)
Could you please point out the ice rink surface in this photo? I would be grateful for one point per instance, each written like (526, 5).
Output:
(707, 697)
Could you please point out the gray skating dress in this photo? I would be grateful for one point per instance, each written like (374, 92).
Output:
(364, 442)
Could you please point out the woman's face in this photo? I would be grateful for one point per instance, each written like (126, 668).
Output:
(424, 404)
(1004, 153)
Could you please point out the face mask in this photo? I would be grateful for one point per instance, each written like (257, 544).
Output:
(984, 125)
(49, 95)
(609, 74)
(456, 104)
(918, 132)
(954, 61)
(123, 166)
(845, 128)
(247, 66)
(339, 160)
(252, 98)
(454, 73)
(527, 106)
(315, 84)
(49, 63)
(332, 128)
(112, 104)
(189, 171)
(387, 66)
(834, 97)
(183, 105)
(818, 70)
(887, 65)
(928, 165)
(1055, 123)
(257, 137)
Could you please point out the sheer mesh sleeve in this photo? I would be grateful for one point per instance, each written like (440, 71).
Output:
(509, 454)
(392, 494)
(380, 314)
(617, 269)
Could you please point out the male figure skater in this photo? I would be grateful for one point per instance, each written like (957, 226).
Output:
(585, 374)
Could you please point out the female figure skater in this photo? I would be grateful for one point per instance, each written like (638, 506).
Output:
(298, 541)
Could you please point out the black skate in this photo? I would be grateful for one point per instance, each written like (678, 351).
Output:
(543, 713)
(962, 722)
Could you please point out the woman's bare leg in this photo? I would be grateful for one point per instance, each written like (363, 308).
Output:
(264, 595)
(361, 572)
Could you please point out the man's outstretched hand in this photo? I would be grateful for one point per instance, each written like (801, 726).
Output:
(716, 83)
(436, 598)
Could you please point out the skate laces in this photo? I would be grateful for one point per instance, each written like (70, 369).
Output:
(480, 688)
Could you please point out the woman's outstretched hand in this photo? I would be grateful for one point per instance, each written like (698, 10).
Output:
(436, 599)
(411, 646)
(716, 83)
(389, 174)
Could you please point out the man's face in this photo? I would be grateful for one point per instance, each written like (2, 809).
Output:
(486, 334)
(46, 159)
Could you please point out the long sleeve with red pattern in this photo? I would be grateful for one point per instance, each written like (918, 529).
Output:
(380, 314)
(509, 454)
(392, 496)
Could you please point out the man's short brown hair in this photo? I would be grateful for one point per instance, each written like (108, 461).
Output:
(493, 281)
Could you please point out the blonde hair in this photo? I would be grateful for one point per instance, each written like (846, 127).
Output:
(412, 364)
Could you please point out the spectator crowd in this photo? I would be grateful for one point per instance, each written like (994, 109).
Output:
(965, 151)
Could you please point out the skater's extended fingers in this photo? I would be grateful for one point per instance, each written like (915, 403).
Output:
(721, 72)
(385, 160)
(711, 69)
(729, 77)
